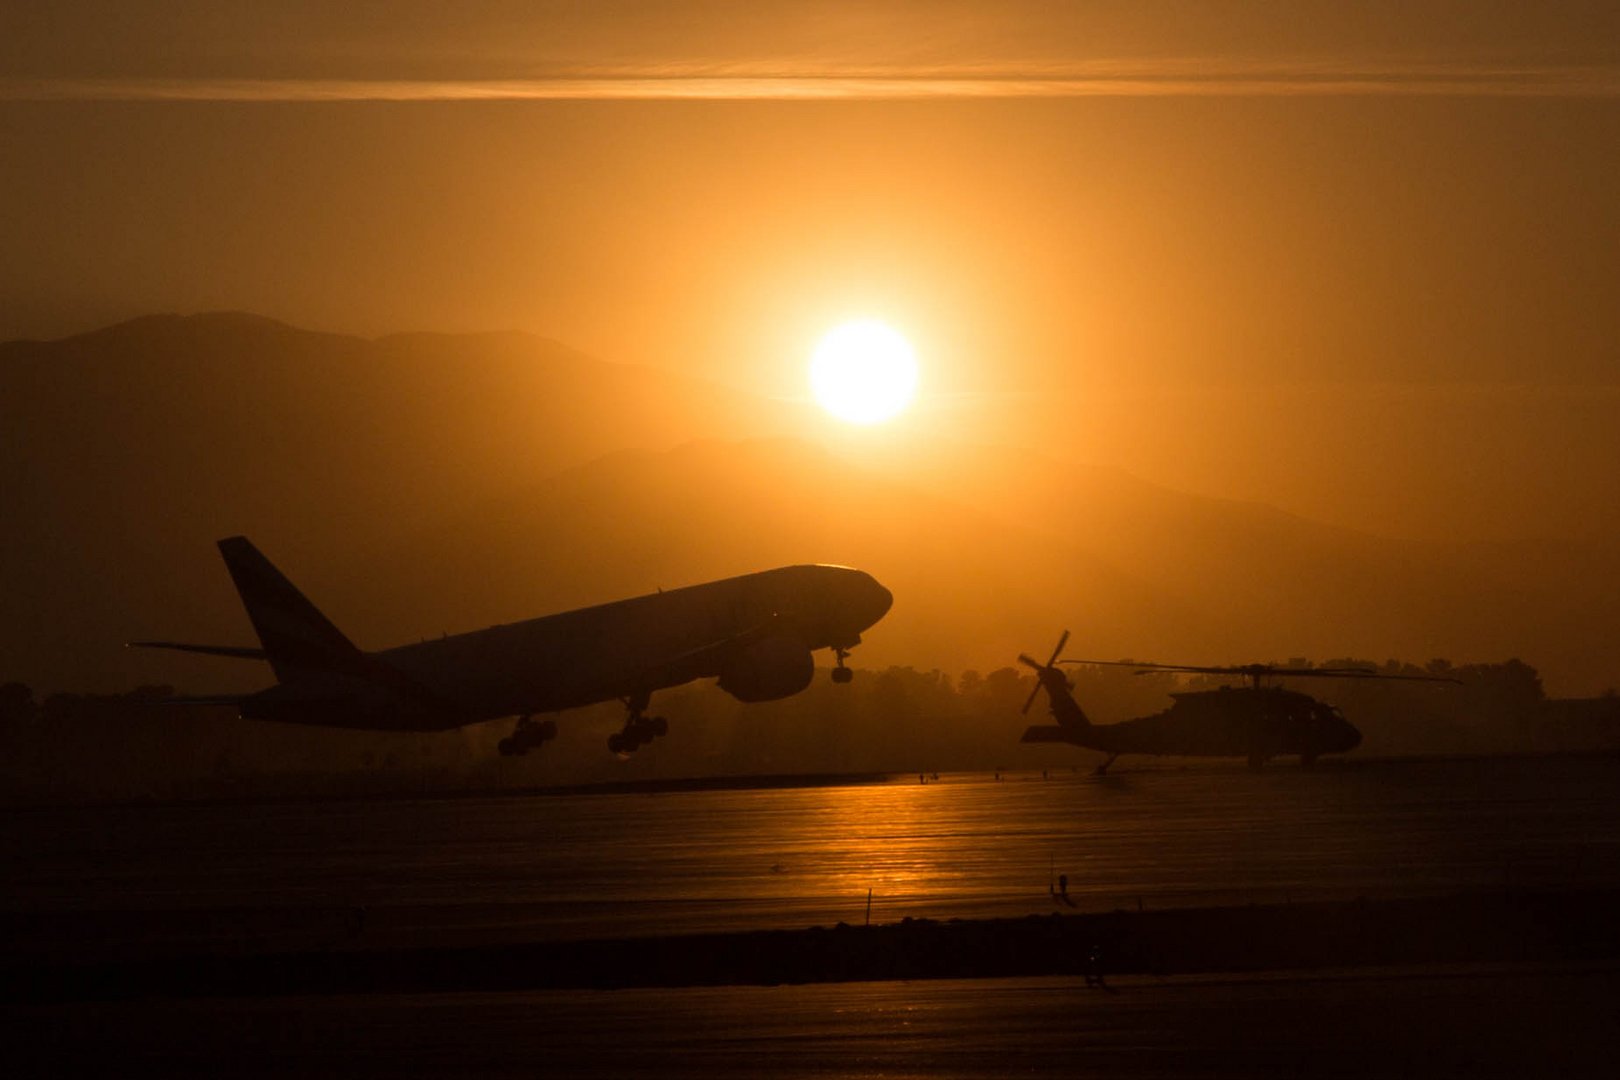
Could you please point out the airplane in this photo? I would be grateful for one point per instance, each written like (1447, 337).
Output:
(1256, 722)
(755, 633)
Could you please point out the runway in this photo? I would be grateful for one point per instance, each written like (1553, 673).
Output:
(1460, 1021)
(479, 870)
(105, 884)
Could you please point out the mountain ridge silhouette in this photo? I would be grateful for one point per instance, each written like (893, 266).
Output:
(421, 482)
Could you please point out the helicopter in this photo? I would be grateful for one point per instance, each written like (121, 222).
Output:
(1257, 721)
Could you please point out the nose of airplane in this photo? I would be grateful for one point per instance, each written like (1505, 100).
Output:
(872, 601)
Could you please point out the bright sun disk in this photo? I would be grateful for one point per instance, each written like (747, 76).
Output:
(863, 371)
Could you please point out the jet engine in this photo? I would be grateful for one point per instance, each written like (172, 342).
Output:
(771, 668)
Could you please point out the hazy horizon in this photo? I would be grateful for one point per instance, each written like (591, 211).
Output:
(521, 496)
(1355, 264)
(421, 483)
(1458, 501)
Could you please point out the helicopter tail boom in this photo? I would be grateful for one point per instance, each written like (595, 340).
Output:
(1047, 733)
(1071, 719)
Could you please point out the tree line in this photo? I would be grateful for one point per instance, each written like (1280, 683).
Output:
(70, 747)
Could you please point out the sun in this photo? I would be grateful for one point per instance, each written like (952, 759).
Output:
(863, 371)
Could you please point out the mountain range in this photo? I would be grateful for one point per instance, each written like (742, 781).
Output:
(418, 484)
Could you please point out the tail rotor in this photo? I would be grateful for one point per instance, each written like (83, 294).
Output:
(1025, 658)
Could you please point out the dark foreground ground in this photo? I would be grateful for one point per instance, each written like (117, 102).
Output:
(1496, 928)
(1468, 1021)
(1501, 984)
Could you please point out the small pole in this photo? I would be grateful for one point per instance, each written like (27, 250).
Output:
(868, 907)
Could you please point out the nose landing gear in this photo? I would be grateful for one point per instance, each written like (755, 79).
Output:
(840, 673)
(639, 729)
(527, 736)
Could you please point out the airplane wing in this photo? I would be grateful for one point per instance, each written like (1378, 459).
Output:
(238, 652)
(201, 699)
(662, 671)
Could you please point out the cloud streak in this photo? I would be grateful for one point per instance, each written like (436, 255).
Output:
(1172, 78)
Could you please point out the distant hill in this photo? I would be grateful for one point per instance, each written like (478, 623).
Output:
(1271, 584)
(125, 452)
(968, 585)
(986, 557)
(425, 483)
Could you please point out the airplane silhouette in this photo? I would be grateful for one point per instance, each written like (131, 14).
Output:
(755, 633)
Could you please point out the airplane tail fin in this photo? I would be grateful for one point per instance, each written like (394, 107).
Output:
(296, 637)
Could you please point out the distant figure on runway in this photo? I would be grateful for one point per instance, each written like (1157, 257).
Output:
(1060, 892)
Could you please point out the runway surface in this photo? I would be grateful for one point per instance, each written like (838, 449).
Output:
(107, 884)
(1432, 1023)
(455, 871)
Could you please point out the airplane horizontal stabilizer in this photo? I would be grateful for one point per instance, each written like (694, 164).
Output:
(1046, 733)
(237, 652)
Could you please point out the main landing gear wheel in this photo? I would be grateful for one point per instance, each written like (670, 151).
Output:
(842, 674)
(638, 729)
(527, 736)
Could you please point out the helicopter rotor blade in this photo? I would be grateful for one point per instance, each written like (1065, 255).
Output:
(1144, 666)
(1347, 673)
(1025, 658)
(1031, 699)
(1413, 678)
(1255, 671)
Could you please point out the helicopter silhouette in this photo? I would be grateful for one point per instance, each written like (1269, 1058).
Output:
(1257, 722)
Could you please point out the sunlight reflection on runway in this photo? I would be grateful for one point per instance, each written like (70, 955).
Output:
(533, 867)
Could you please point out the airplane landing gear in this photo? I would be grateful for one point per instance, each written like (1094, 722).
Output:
(527, 736)
(1102, 770)
(638, 729)
(842, 674)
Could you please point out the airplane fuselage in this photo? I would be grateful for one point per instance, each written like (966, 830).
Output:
(772, 620)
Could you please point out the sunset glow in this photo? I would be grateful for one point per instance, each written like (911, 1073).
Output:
(629, 524)
(864, 372)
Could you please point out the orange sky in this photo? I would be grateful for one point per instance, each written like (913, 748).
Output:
(1358, 260)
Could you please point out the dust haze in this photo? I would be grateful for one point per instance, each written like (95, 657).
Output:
(356, 361)
(1268, 342)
